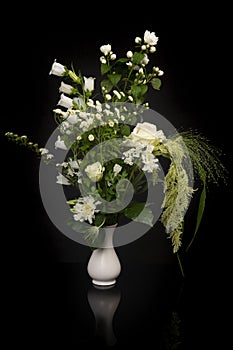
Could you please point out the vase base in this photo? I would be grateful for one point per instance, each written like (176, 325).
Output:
(104, 283)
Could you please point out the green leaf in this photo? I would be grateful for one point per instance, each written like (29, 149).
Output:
(138, 91)
(125, 130)
(200, 213)
(156, 83)
(104, 68)
(114, 78)
(122, 60)
(107, 85)
(99, 219)
(137, 57)
(139, 213)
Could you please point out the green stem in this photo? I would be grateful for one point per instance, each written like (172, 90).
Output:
(127, 79)
(180, 265)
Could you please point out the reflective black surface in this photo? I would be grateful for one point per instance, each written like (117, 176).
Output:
(55, 305)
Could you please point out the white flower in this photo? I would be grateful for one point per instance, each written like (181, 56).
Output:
(43, 151)
(150, 38)
(59, 111)
(145, 60)
(138, 40)
(103, 60)
(106, 49)
(111, 124)
(95, 171)
(85, 209)
(143, 47)
(62, 180)
(118, 95)
(141, 71)
(129, 64)
(89, 83)
(146, 133)
(57, 69)
(113, 56)
(90, 103)
(129, 54)
(152, 49)
(149, 160)
(72, 119)
(160, 72)
(66, 88)
(117, 169)
(65, 101)
(108, 97)
(91, 137)
(60, 144)
(80, 101)
(74, 164)
(49, 156)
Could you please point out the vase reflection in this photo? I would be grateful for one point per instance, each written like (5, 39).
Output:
(104, 302)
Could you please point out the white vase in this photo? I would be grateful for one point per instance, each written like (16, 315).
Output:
(104, 265)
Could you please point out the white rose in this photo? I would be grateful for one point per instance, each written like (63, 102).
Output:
(146, 133)
(95, 171)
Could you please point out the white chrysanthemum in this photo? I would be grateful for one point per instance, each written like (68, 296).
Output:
(85, 209)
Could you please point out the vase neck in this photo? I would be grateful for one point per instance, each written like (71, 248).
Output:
(108, 236)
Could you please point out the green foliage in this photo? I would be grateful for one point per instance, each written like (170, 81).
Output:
(156, 83)
(140, 213)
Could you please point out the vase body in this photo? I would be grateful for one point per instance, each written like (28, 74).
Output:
(104, 265)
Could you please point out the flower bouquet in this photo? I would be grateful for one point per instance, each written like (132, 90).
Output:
(112, 160)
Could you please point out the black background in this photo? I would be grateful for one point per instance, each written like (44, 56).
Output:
(44, 280)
